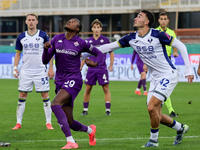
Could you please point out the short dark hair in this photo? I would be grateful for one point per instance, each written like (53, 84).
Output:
(150, 17)
(163, 14)
(79, 26)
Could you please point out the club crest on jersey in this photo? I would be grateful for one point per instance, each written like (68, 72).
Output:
(76, 44)
(37, 39)
(90, 41)
(136, 41)
(101, 40)
(150, 40)
(60, 41)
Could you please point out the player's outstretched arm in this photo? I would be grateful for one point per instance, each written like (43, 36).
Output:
(109, 47)
(182, 48)
(104, 49)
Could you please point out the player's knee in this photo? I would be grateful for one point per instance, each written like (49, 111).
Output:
(106, 88)
(45, 94)
(88, 91)
(23, 95)
(150, 109)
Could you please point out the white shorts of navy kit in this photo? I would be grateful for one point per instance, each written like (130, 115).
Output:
(162, 87)
(28, 79)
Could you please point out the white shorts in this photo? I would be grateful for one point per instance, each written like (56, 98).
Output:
(26, 81)
(163, 87)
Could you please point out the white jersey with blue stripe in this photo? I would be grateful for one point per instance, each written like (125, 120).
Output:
(32, 47)
(151, 49)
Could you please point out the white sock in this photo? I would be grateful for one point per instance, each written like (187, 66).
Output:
(70, 139)
(89, 130)
(85, 109)
(20, 109)
(47, 110)
(137, 89)
(154, 136)
(177, 126)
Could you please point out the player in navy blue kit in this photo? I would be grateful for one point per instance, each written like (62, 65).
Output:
(150, 45)
(33, 71)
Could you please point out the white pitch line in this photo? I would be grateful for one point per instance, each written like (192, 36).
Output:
(106, 139)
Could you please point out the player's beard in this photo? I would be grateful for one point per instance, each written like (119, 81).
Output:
(68, 29)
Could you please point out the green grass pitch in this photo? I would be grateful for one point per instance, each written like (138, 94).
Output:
(127, 128)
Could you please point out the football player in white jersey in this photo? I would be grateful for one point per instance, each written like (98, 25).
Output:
(150, 45)
(33, 71)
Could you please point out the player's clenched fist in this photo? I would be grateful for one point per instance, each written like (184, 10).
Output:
(15, 72)
(47, 45)
(90, 63)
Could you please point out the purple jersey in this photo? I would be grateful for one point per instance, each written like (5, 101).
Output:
(67, 55)
(100, 41)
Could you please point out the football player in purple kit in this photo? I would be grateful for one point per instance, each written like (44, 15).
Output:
(67, 48)
(100, 72)
(142, 81)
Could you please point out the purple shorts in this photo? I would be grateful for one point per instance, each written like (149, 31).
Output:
(94, 75)
(72, 86)
(140, 67)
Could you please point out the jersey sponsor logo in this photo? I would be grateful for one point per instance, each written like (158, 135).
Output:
(76, 44)
(67, 51)
(31, 47)
(147, 52)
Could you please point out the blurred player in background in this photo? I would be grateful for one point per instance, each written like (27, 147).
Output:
(198, 71)
(163, 20)
(148, 43)
(67, 48)
(33, 71)
(142, 81)
(4, 144)
(99, 73)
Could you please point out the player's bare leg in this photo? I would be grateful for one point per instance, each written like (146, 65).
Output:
(156, 117)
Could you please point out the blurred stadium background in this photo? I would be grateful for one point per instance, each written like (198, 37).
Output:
(117, 17)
